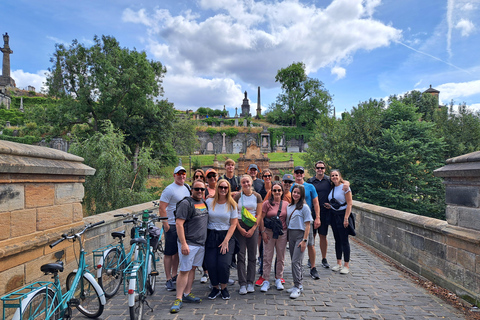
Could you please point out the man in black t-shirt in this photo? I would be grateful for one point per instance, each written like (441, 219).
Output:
(258, 184)
(231, 177)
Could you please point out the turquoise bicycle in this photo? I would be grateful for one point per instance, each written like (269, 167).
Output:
(45, 300)
(140, 274)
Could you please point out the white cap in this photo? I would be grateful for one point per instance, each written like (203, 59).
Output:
(179, 168)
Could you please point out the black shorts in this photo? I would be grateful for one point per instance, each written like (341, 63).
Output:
(325, 220)
(171, 247)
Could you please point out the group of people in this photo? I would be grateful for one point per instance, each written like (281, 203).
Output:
(220, 217)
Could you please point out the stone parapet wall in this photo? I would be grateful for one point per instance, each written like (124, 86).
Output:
(445, 254)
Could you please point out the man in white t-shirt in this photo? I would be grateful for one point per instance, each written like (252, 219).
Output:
(168, 203)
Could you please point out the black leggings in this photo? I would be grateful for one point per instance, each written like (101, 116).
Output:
(218, 264)
(340, 233)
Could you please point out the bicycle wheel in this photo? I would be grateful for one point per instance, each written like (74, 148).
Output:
(36, 307)
(151, 278)
(112, 272)
(137, 310)
(89, 302)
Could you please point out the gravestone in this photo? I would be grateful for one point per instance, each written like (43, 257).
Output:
(209, 146)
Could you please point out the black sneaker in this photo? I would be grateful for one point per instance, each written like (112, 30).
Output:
(314, 273)
(233, 265)
(174, 279)
(214, 293)
(325, 263)
(170, 286)
(225, 294)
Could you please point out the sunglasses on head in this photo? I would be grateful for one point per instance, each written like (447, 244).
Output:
(222, 187)
(199, 189)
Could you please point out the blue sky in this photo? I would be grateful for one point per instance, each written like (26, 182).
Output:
(214, 50)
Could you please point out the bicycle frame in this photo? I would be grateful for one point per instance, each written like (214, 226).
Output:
(20, 299)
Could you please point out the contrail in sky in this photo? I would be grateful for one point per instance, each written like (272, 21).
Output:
(429, 55)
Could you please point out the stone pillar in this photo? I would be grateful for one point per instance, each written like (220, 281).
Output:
(224, 149)
(5, 79)
(41, 193)
(462, 190)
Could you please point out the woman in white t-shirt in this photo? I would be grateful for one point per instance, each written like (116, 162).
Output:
(299, 218)
(247, 236)
(339, 221)
(219, 247)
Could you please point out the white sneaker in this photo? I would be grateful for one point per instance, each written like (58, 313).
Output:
(250, 288)
(345, 270)
(291, 289)
(278, 284)
(231, 282)
(338, 267)
(265, 286)
(243, 290)
(204, 278)
(295, 293)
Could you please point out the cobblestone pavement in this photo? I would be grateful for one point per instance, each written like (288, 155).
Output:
(372, 290)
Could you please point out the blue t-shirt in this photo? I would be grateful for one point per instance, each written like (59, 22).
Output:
(310, 194)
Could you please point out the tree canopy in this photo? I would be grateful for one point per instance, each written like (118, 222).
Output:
(302, 101)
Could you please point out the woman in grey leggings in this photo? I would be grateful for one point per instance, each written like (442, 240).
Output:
(298, 222)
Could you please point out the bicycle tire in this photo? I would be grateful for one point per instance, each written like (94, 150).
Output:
(112, 272)
(151, 278)
(89, 299)
(37, 306)
(137, 310)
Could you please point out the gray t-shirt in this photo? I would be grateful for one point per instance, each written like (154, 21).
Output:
(296, 218)
(171, 195)
(219, 218)
(195, 214)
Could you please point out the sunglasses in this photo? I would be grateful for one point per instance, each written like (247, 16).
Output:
(267, 176)
(200, 177)
(211, 176)
(222, 187)
(287, 182)
(320, 168)
(181, 173)
(277, 190)
(199, 189)
(298, 172)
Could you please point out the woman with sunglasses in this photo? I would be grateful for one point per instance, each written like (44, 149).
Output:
(247, 236)
(267, 178)
(299, 218)
(271, 208)
(219, 248)
(211, 179)
(199, 175)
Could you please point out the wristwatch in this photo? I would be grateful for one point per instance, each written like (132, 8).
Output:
(305, 240)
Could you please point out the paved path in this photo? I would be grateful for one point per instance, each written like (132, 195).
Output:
(373, 290)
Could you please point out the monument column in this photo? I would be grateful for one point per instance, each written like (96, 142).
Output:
(224, 149)
(5, 79)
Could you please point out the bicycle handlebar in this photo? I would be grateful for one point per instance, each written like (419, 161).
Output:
(66, 236)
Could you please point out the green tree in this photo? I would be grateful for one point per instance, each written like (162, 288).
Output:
(184, 136)
(115, 184)
(303, 99)
(387, 154)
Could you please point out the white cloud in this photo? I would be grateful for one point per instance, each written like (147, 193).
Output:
(466, 27)
(339, 72)
(212, 93)
(25, 79)
(458, 91)
(251, 40)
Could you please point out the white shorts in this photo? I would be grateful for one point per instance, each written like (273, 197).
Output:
(194, 259)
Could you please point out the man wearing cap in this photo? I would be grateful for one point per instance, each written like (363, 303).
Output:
(322, 185)
(258, 184)
(311, 198)
(168, 203)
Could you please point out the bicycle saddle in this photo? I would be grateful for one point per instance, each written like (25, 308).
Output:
(119, 234)
(138, 240)
(52, 267)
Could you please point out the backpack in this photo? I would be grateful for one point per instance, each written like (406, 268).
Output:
(188, 188)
